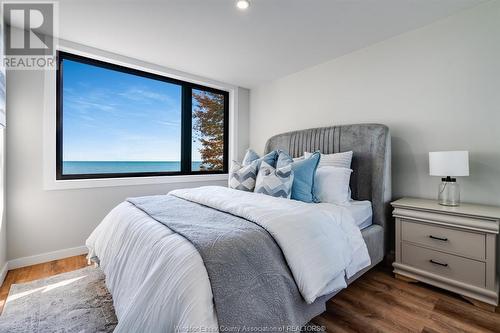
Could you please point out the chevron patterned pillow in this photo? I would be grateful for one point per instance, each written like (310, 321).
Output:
(243, 177)
(274, 182)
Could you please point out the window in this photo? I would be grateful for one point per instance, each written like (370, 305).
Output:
(114, 121)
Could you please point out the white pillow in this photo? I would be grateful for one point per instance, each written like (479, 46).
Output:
(341, 160)
(331, 184)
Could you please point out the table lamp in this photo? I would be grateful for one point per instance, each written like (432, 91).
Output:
(449, 164)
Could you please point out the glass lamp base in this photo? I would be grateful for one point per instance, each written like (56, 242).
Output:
(449, 193)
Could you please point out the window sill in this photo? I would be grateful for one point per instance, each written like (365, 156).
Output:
(109, 182)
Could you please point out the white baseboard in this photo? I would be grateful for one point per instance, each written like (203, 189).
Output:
(45, 257)
(3, 272)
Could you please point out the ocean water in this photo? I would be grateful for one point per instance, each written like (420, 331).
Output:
(90, 167)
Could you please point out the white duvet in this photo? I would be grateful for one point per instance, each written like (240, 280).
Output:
(159, 282)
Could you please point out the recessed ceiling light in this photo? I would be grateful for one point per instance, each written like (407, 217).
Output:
(242, 4)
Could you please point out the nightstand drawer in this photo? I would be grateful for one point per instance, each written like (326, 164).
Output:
(467, 244)
(446, 265)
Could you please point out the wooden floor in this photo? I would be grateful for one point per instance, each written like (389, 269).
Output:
(39, 271)
(376, 302)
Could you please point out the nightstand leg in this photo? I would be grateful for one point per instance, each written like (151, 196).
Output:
(481, 305)
(404, 278)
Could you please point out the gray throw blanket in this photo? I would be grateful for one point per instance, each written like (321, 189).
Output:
(252, 285)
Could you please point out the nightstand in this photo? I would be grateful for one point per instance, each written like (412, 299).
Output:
(454, 248)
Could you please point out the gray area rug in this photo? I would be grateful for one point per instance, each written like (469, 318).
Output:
(77, 301)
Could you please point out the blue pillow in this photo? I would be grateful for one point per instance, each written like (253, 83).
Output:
(304, 172)
(251, 156)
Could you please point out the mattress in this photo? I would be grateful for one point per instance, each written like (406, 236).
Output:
(361, 211)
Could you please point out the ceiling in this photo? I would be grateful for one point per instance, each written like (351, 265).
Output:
(273, 38)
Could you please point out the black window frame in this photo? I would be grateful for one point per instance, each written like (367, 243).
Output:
(186, 121)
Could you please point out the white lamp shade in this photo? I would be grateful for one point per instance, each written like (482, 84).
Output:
(449, 163)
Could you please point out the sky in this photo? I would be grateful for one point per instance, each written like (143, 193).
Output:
(114, 116)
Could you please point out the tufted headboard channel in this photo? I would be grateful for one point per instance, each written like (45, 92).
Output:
(371, 164)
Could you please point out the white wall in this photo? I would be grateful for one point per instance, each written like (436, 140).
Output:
(243, 122)
(41, 221)
(437, 88)
(3, 222)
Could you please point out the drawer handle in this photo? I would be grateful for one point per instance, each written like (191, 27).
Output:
(439, 238)
(438, 263)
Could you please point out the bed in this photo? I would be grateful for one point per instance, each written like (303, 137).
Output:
(213, 259)
(371, 177)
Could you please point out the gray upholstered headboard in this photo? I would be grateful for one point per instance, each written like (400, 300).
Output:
(371, 144)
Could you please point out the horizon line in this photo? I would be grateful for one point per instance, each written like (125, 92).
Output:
(142, 161)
